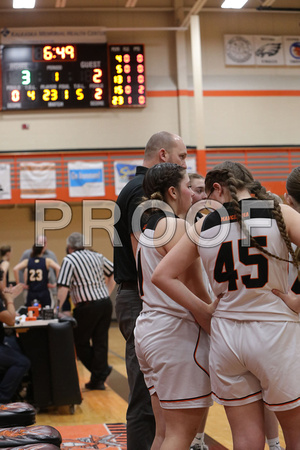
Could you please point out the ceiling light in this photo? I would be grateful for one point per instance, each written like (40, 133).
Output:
(234, 4)
(18, 4)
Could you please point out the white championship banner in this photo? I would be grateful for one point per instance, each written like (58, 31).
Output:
(86, 179)
(263, 50)
(38, 180)
(5, 184)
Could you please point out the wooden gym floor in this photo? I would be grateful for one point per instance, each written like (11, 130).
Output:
(110, 406)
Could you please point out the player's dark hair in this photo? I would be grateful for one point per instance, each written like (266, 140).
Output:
(160, 178)
(293, 189)
(234, 176)
(293, 184)
(5, 249)
(36, 250)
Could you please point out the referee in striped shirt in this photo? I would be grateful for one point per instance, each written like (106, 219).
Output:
(83, 273)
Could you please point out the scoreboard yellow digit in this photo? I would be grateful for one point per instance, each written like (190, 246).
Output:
(127, 69)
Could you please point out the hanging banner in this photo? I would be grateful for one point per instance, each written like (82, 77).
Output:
(37, 180)
(239, 50)
(191, 165)
(124, 171)
(292, 50)
(86, 179)
(268, 51)
(5, 185)
(248, 50)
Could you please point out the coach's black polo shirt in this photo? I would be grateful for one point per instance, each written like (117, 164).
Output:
(129, 198)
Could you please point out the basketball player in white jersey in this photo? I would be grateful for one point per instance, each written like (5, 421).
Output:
(292, 198)
(255, 336)
(171, 347)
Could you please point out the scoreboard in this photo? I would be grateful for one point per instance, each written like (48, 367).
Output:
(67, 75)
(127, 71)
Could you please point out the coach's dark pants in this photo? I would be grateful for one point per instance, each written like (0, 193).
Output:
(140, 418)
(91, 336)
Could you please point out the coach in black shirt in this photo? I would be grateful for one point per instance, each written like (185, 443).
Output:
(161, 147)
(83, 273)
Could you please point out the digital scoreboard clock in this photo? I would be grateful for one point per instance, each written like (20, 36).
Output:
(58, 76)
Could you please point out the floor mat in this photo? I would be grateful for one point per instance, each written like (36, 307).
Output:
(103, 436)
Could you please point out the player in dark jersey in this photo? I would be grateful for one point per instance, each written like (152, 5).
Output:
(37, 269)
(245, 246)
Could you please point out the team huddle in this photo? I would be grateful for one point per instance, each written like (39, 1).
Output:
(219, 321)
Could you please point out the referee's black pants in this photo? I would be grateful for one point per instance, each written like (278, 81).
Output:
(91, 336)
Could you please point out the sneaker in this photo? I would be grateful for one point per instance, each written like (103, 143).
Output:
(96, 386)
(199, 447)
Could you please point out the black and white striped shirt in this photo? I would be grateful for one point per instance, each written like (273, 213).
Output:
(83, 273)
